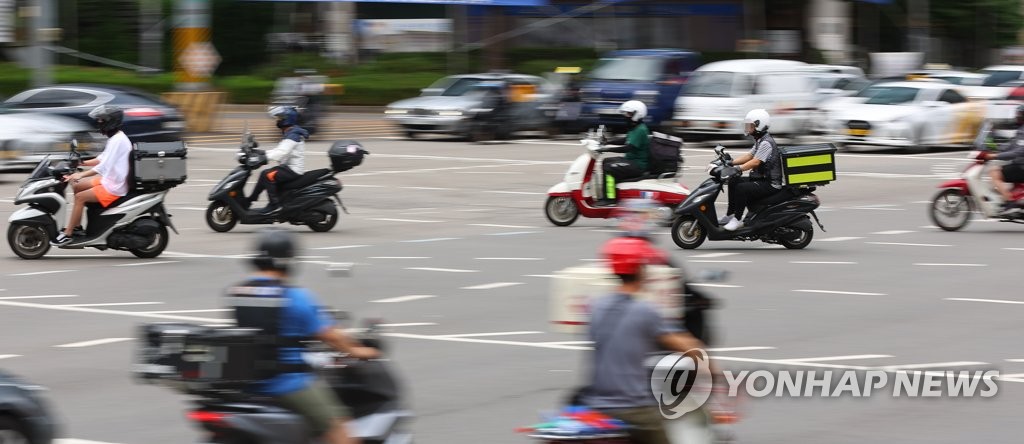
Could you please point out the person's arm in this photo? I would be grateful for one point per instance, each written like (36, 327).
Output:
(91, 162)
(746, 157)
(755, 157)
(283, 149)
(683, 342)
(342, 342)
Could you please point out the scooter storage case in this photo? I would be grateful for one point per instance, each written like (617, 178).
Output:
(191, 357)
(159, 165)
(809, 164)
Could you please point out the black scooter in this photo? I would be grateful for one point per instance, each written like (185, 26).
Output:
(781, 218)
(309, 200)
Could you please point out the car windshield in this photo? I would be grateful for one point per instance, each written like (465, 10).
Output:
(996, 78)
(641, 69)
(455, 86)
(710, 83)
(888, 95)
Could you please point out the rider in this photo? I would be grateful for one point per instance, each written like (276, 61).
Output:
(269, 302)
(1012, 172)
(109, 175)
(625, 331)
(765, 164)
(637, 146)
(289, 154)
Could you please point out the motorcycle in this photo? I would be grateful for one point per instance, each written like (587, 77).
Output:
(952, 206)
(583, 184)
(781, 218)
(306, 200)
(136, 222)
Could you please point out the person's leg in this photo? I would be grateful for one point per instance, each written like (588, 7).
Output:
(734, 197)
(619, 169)
(261, 184)
(646, 424)
(324, 414)
(76, 215)
(1000, 184)
(608, 168)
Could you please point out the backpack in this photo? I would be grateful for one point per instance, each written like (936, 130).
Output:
(666, 153)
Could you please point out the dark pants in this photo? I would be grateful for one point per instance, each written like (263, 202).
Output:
(1013, 173)
(646, 424)
(271, 179)
(620, 169)
(742, 191)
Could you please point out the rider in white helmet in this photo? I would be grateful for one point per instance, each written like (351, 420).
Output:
(765, 165)
(636, 146)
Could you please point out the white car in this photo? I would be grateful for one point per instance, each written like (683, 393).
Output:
(913, 115)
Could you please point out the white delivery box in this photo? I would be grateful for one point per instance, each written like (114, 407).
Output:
(573, 288)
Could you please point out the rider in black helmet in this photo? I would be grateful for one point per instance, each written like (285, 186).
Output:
(1013, 172)
(269, 301)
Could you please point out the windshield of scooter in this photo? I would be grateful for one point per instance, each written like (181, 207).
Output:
(42, 170)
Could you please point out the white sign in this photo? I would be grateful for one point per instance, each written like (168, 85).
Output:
(200, 59)
(6, 21)
(406, 35)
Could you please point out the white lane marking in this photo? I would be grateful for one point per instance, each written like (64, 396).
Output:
(839, 358)
(736, 349)
(992, 301)
(921, 202)
(909, 245)
(1015, 360)
(500, 333)
(509, 258)
(894, 232)
(421, 221)
(569, 343)
(444, 270)
(400, 257)
(513, 233)
(475, 209)
(427, 188)
(492, 172)
(109, 312)
(530, 193)
(36, 273)
(492, 286)
(352, 185)
(838, 239)
(951, 265)
(205, 310)
(1014, 249)
(823, 262)
(44, 296)
(408, 324)
(93, 342)
(110, 304)
(541, 275)
(934, 365)
(136, 264)
(487, 341)
(8, 356)
(434, 239)
(930, 227)
(857, 293)
(339, 247)
(877, 209)
(413, 297)
(500, 226)
(719, 262)
(711, 255)
(700, 284)
(79, 441)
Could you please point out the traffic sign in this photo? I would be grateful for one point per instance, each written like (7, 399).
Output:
(200, 59)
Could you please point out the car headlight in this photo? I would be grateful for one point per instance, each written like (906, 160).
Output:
(449, 113)
(396, 112)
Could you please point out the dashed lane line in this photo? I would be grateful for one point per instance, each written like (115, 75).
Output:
(823, 262)
(711, 255)
(443, 270)
(43, 296)
(950, 265)
(855, 293)
(110, 304)
(421, 221)
(492, 286)
(909, 244)
(839, 239)
(991, 301)
(37, 273)
(413, 297)
(109, 312)
(433, 239)
(509, 258)
(93, 342)
(841, 358)
(502, 226)
(8, 356)
(339, 247)
(137, 264)
(500, 333)
(894, 232)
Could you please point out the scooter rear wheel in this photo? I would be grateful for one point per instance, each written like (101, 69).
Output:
(951, 209)
(28, 241)
(561, 210)
(800, 240)
(220, 217)
(681, 226)
(155, 247)
(330, 218)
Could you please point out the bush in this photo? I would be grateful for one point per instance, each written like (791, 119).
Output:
(245, 89)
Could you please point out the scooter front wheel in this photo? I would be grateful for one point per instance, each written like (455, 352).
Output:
(951, 209)
(687, 233)
(220, 217)
(28, 241)
(561, 210)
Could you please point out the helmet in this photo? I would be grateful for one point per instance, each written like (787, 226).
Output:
(634, 110)
(760, 119)
(1020, 115)
(275, 250)
(626, 255)
(108, 119)
(286, 116)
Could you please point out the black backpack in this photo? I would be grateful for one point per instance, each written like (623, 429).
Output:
(666, 154)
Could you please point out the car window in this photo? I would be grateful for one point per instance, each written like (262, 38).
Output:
(710, 83)
(783, 83)
(852, 84)
(950, 96)
(888, 95)
(996, 78)
(644, 69)
(52, 98)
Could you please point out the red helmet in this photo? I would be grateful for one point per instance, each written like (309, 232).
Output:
(626, 255)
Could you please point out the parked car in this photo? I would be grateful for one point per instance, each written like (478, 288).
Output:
(912, 115)
(25, 416)
(147, 118)
(449, 105)
(652, 76)
(27, 138)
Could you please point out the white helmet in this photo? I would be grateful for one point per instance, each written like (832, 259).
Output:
(760, 119)
(634, 110)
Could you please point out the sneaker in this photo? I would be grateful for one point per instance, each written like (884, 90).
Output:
(725, 220)
(734, 225)
(62, 240)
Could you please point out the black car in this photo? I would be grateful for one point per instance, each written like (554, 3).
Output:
(24, 415)
(147, 118)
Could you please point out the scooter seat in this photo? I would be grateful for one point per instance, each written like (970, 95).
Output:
(307, 179)
(649, 176)
(119, 201)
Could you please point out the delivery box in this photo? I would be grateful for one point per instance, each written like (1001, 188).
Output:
(809, 164)
(572, 290)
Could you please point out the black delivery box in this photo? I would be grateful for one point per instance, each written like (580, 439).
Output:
(808, 164)
(157, 166)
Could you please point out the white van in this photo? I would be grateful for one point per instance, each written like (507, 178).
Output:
(718, 96)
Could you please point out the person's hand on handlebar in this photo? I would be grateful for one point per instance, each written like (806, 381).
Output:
(364, 353)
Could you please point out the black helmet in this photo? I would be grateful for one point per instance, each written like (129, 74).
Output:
(108, 119)
(275, 250)
(1020, 115)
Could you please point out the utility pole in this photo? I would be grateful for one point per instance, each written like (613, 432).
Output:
(42, 31)
(918, 15)
(151, 34)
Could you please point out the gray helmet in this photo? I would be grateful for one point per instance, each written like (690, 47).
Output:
(275, 250)
(109, 118)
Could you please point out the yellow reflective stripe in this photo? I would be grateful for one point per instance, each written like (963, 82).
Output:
(809, 160)
(823, 176)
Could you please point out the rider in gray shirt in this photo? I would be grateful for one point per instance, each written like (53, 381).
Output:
(1012, 172)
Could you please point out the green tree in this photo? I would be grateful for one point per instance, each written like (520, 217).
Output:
(994, 23)
(239, 33)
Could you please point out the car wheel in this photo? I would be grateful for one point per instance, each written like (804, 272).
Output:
(411, 135)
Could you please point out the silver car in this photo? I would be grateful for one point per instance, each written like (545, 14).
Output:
(27, 138)
(450, 104)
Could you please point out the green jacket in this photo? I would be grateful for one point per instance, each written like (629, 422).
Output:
(640, 138)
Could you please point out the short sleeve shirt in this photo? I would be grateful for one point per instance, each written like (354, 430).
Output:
(301, 318)
(113, 166)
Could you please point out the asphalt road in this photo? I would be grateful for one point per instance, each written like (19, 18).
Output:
(460, 225)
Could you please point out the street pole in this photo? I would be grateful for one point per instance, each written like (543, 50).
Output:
(42, 31)
(918, 14)
(151, 34)
(191, 27)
